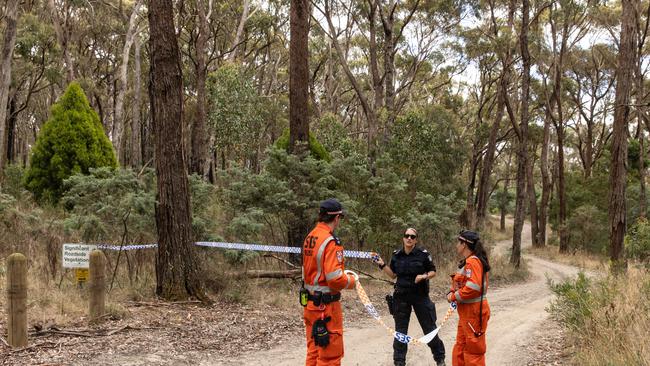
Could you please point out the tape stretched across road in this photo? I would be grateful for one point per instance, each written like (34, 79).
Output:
(238, 246)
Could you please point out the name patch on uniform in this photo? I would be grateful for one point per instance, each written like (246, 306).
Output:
(339, 256)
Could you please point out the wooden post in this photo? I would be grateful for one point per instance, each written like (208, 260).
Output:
(97, 284)
(17, 300)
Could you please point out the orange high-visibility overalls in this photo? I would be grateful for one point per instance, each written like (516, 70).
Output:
(470, 346)
(323, 267)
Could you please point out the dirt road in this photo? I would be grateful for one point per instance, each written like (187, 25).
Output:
(518, 317)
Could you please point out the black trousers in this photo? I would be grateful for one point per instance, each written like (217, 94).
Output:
(425, 311)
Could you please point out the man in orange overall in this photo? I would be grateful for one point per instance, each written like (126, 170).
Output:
(468, 289)
(324, 278)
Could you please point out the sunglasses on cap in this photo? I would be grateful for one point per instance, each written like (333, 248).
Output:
(410, 236)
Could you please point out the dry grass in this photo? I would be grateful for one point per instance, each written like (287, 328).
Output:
(580, 259)
(608, 319)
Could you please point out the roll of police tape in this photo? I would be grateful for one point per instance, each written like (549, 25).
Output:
(238, 246)
(401, 337)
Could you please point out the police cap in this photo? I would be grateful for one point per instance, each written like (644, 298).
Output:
(331, 207)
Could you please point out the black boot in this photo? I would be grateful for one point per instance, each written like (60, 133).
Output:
(400, 363)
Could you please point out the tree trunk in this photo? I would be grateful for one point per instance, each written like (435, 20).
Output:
(643, 203)
(546, 183)
(640, 111)
(119, 123)
(389, 58)
(525, 116)
(503, 206)
(200, 137)
(522, 153)
(488, 159)
(618, 172)
(12, 119)
(559, 129)
(11, 17)
(299, 78)
(177, 265)
(377, 83)
(136, 132)
(240, 30)
(299, 110)
(561, 190)
(62, 38)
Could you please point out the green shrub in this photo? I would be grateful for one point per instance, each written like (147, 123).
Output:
(637, 241)
(588, 230)
(72, 141)
(574, 302)
(106, 202)
(13, 181)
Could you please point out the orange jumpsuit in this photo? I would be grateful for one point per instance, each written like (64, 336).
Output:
(469, 349)
(323, 266)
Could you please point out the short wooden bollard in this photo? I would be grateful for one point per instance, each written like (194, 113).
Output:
(17, 300)
(97, 285)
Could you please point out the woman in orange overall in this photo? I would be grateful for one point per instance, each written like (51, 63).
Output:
(468, 289)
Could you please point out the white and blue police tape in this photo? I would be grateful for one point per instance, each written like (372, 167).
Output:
(400, 337)
(126, 247)
(238, 246)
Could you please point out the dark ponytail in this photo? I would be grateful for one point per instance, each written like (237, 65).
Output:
(480, 252)
(474, 243)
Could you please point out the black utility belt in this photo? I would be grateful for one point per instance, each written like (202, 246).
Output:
(319, 298)
(410, 290)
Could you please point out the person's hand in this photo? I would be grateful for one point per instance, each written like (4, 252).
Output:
(421, 277)
(377, 260)
(449, 297)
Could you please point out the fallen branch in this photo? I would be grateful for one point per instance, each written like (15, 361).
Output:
(269, 255)
(64, 332)
(272, 274)
(257, 273)
(4, 341)
(90, 333)
(162, 303)
(117, 330)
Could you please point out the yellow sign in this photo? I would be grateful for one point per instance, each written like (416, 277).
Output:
(81, 274)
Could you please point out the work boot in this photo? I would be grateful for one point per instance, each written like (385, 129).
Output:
(441, 363)
(400, 363)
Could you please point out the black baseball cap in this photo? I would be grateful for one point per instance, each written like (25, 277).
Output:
(331, 207)
(469, 236)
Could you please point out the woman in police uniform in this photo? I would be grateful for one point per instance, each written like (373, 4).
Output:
(413, 267)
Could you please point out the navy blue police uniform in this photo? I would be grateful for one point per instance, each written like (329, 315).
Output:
(410, 295)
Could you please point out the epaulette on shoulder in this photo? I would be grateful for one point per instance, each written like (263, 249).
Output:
(337, 241)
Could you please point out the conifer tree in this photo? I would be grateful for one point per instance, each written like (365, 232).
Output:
(72, 141)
